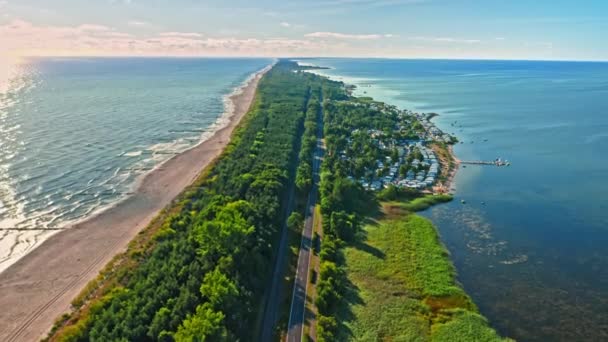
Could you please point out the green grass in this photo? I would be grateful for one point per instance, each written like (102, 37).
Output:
(403, 287)
(423, 203)
(416, 204)
(464, 326)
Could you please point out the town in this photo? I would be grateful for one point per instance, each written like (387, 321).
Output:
(405, 159)
(417, 168)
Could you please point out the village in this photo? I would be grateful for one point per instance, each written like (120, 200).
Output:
(420, 165)
(415, 164)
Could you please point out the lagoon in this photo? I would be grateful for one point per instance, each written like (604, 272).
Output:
(529, 244)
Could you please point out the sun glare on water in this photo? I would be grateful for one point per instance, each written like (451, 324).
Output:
(9, 69)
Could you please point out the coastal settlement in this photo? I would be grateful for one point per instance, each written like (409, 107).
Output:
(403, 155)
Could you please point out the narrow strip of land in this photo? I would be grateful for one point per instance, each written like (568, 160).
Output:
(39, 287)
(273, 297)
(297, 311)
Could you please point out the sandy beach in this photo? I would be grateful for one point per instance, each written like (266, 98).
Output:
(448, 185)
(39, 287)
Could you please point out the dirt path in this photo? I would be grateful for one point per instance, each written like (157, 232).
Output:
(39, 288)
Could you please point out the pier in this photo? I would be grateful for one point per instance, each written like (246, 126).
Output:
(497, 162)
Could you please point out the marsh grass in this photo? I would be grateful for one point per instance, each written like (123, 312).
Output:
(402, 285)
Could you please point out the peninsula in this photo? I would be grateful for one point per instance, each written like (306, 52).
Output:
(221, 262)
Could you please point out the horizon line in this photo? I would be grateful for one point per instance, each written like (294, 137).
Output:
(326, 57)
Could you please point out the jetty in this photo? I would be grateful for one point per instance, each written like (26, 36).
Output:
(496, 162)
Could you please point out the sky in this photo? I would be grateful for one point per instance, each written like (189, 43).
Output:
(484, 29)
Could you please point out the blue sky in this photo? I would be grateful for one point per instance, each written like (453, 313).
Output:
(507, 29)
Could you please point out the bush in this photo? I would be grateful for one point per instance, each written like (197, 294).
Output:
(326, 328)
(295, 221)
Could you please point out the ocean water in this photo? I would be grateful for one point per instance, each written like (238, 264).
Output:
(530, 244)
(77, 134)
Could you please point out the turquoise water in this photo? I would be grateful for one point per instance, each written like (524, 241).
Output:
(534, 256)
(76, 134)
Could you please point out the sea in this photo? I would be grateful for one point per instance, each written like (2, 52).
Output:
(530, 243)
(76, 134)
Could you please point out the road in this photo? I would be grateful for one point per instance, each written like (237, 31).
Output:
(273, 296)
(297, 312)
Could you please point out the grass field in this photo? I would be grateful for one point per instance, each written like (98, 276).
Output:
(403, 287)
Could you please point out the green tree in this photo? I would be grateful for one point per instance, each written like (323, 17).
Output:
(218, 289)
(327, 327)
(394, 155)
(304, 177)
(403, 169)
(205, 325)
(161, 320)
(226, 233)
(343, 225)
(295, 220)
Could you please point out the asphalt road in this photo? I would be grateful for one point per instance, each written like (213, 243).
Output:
(273, 296)
(297, 312)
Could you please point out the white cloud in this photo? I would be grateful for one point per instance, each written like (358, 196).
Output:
(336, 35)
(347, 4)
(93, 28)
(285, 24)
(454, 40)
(137, 23)
(23, 38)
(446, 40)
(181, 34)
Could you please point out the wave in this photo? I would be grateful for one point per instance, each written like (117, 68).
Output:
(474, 75)
(132, 154)
(62, 206)
(595, 137)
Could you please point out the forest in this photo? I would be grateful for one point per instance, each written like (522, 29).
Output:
(204, 272)
(201, 271)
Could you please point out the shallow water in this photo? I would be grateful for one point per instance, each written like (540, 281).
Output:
(530, 244)
(76, 134)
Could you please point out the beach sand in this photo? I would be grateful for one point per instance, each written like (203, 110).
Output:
(39, 287)
(447, 186)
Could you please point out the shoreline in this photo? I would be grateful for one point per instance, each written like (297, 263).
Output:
(451, 181)
(220, 122)
(446, 187)
(39, 286)
(399, 242)
(449, 185)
